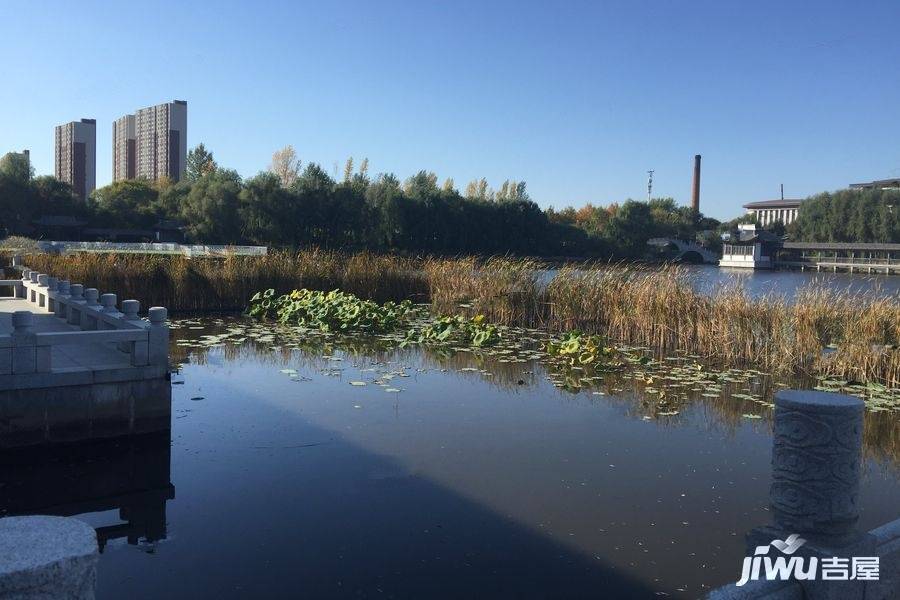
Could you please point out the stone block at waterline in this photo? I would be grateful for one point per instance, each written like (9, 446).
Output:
(47, 557)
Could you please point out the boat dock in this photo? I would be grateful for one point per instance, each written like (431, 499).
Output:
(839, 256)
(756, 248)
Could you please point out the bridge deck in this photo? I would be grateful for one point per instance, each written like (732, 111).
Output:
(64, 357)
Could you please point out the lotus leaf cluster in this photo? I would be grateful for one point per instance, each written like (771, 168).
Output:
(578, 349)
(458, 329)
(329, 311)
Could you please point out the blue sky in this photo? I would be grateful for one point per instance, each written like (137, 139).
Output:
(578, 99)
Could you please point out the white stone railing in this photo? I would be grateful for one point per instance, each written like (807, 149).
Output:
(96, 316)
(189, 250)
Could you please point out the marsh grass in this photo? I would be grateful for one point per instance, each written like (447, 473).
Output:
(821, 332)
(210, 284)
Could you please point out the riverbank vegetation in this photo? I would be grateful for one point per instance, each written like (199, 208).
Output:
(853, 337)
(300, 206)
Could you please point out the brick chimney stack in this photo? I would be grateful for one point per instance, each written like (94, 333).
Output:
(695, 189)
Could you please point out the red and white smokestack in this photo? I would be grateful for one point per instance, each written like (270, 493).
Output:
(695, 189)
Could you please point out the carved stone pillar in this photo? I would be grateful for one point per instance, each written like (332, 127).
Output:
(815, 462)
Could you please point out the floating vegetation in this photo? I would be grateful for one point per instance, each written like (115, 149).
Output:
(455, 329)
(331, 311)
(657, 385)
(577, 349)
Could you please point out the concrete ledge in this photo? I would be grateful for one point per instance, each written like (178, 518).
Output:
(66, 376)
(52, 415)
(47, 557)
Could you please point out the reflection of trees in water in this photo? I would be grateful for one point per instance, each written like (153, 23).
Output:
(313, 351)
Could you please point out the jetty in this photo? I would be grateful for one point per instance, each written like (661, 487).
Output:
(56, 333)
(757, 248)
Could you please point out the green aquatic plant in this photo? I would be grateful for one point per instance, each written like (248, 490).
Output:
(329, 311)
(457, 329)
(578, 349)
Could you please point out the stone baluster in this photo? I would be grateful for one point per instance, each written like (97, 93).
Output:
(139, 350)
(76, 302)
(130, 310)
(90, 298)
(108, 304)
(91, 307)
(62, 298)
(27, 357)
(21, 291)
(816, 454)
(42, 289)
(52, 287)
(816, 457)
(33, 278)
(159, 337)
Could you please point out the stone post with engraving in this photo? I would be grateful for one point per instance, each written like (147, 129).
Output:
(816, 457)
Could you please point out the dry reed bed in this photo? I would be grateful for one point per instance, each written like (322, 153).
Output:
(655, 307)
(208, 284)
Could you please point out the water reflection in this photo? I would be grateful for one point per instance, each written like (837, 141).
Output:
(130, 475)
(726, 410)
(88, 450)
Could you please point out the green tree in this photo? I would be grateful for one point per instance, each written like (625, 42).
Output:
(126, 204)
(211, 210)
(200, 162)
(268, 212)
(628, 231)
(851, 215)
(16, 166)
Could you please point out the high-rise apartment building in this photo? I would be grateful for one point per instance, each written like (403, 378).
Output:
(157, 137)
(124, 165)
(75, 156)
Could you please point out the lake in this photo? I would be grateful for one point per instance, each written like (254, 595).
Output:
(707, 278)
(299, 465)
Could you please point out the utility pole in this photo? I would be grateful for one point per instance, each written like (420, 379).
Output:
(649, 184)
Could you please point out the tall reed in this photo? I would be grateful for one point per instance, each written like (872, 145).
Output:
(822, 331)
(212, 284)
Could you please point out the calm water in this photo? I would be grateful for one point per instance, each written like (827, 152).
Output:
(707, 278)
(786, 283)
(478, 478)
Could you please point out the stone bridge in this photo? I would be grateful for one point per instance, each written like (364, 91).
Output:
(685, 251)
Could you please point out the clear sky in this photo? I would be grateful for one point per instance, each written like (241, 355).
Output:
(578, 99)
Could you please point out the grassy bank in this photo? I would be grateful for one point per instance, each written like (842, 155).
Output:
(854, 337)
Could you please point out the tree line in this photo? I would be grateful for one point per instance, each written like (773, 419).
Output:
(851, 215)
(297, 205)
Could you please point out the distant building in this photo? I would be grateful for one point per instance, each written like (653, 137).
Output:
(769, 211)
(880, 184)
(157, 136)
(754, 248)
(75, 155)
(124, 140)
